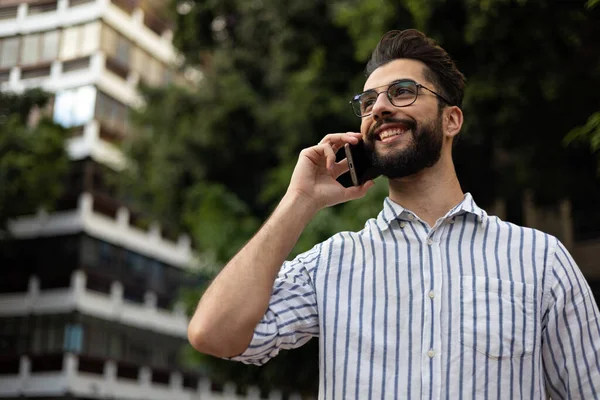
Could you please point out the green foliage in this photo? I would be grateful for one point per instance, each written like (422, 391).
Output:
(33, 160)
(588, 133)
(216, 158)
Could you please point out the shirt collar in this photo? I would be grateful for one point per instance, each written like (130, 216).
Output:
(392, 211)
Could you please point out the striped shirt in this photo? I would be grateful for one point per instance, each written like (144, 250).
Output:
(472, 308)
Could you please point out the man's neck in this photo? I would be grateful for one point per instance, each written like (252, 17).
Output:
(430, 194)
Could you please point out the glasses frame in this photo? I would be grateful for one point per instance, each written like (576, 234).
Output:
(387, 91)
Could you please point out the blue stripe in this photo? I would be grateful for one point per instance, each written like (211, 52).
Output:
(559, 340)
(487, 309)
(565, 324)
(536, 349)
(371, 360)
(349, 316)
(576, 304)
(474, 274)
(450, 304)
(410, 315)
(500, 312)
(462, 310)
(361, 312)
(337, 311)
(286, 310)
(525, 311)
(385, 314)
(549, 381)
(292, 297)
(583, 289)
(324, 316)
(512, 307)
(422, 296)
(398, 307)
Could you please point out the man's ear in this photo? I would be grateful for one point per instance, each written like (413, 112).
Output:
(452, 121)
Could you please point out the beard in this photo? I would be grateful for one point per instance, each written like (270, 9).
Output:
(423, 151)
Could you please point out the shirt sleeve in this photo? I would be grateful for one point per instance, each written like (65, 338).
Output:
(571, 331)
(291, 319)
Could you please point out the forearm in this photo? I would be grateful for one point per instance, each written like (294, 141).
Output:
(237, 299)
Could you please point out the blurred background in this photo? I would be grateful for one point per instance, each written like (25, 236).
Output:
(142, 143)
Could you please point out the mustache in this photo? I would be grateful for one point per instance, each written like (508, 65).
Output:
(411, 124)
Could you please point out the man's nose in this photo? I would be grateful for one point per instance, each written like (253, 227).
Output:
(382, 107)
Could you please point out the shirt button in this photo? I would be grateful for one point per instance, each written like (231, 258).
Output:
(402, 224)
(431, 294)
(429, 242)
(431, 353)
(451, 221)
(411, 217)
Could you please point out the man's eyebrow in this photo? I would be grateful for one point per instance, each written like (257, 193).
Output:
(391, 83)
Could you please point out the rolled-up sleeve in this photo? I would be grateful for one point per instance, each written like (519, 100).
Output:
(571, 340)
(291, 319)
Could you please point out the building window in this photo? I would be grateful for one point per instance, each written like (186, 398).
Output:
(48, 334)
(8, 12)
(73, 338)
(39, 48)
(9, 52)
(151, 71)
(79, 41)
(118, 50)
(49, 46)
(75, 107)
(75, 3)
(35, 72)
(113, 114)
(42, 7)
(76, 65)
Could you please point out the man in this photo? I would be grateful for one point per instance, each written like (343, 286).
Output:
(434, 298)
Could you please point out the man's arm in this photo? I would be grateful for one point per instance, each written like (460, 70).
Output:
(232, 306)
(571, 343)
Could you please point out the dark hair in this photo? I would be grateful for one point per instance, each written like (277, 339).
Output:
(412, 44)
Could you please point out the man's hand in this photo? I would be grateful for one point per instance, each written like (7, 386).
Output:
(315, 174)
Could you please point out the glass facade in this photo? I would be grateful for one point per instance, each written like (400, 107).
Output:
(80, 334)
(75, 107)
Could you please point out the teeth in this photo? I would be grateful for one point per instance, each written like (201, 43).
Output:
(390, 132)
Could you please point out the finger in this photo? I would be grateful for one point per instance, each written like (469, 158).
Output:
(356, 192)
(337, 140)
(329, 156)
(340, 168)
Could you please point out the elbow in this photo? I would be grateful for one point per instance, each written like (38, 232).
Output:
(213, 341)
(199, 338)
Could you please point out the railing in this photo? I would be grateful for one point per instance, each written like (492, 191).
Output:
(50, 375)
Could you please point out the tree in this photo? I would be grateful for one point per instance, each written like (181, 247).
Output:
(33, 158)
(216, 157)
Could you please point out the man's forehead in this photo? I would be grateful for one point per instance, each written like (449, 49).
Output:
(395, 70)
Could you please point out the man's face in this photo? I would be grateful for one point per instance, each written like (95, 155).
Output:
(402, 140)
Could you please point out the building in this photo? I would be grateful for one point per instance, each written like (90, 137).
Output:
(88, 305)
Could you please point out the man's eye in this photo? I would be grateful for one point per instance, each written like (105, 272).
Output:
(367, 103)
(401, 91)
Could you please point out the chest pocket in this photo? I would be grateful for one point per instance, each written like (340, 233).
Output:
(497, 316)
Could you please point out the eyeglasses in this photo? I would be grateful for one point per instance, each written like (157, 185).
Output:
(401, 93)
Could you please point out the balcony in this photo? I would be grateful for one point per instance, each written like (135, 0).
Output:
(116, 305)
(112, 223)
(83, 376)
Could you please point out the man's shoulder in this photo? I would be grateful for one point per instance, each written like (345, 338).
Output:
(510, 231)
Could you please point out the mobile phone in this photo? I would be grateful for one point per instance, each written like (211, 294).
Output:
(360, 164)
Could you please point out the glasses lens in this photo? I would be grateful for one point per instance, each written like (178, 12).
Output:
(402, 93)
(363, 103)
